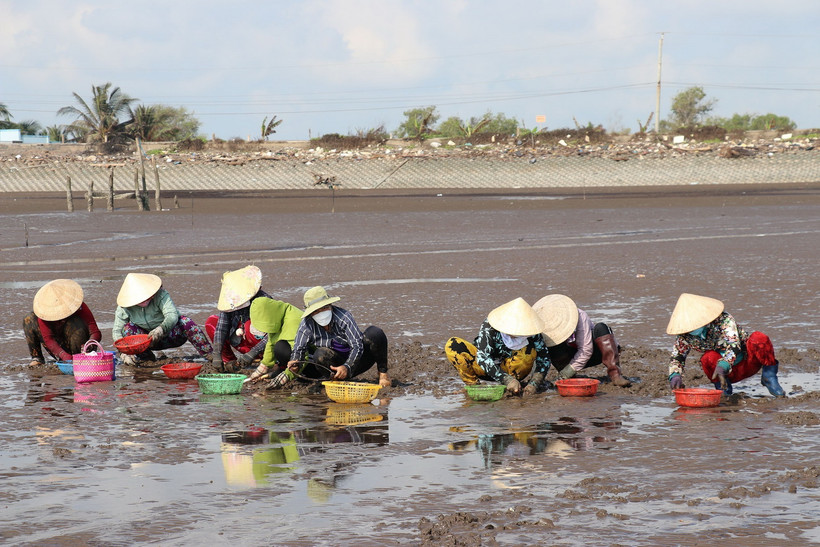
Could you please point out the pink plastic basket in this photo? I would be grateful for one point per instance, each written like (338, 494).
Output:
(93, 365)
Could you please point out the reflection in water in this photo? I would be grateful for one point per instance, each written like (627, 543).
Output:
(250, 457)
(554, 438)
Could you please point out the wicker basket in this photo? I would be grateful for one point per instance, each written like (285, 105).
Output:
(93, 365)
(220, 384)
(134, 344)
(351, 392)
(485, 392)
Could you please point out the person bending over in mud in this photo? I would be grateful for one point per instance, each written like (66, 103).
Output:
(279, 321)
(574, 342)
(729, 353)
(507, 348)
(329, 337)
(143, 306)
(231, 329)
(61, 322)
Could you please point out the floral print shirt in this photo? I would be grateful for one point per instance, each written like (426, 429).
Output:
(491, 352)
(722, 335)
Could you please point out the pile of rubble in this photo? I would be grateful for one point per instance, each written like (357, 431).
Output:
(529, 148)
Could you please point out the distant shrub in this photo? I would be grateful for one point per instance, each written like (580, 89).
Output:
(362, 139)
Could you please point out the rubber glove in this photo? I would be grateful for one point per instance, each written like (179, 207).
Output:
(260, 371)
(719, 376)
(156, 334)
(244, 359)
(512, 385)
(675, 382)
(567, 372)
(282, 379)
(534, 383)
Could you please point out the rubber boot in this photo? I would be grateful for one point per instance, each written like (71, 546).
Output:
(768, 377)
(611, 358)
(728, 390)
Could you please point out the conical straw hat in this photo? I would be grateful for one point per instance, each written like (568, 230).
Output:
(560, 316)
(516, 318)
(58, 299)
(137, 288)
(692, 312)
(238, 287)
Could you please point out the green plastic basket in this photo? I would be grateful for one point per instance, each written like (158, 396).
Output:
(485, 392)
(220, 384)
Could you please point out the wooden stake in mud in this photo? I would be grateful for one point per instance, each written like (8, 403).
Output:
(68, 197)
(144, 194)
(137, 193)
(90, 196)
(157, 197)
(176, 202)
(110, 203)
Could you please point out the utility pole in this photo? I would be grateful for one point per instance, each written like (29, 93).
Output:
(658, 93)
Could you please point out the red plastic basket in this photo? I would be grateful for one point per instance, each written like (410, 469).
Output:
(93, 365)
(698, 397)
(134, 344)
(181, 371)
(577, 387)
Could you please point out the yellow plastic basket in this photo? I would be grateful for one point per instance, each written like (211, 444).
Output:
(351, 392)
(345, 414)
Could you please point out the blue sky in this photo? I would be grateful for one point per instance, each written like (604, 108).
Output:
(343, 66)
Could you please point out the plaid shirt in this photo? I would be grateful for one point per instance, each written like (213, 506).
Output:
(229, 321)
(722, 335)
(343, 330)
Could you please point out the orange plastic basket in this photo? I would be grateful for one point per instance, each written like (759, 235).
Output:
(134, 344)
(698, 397)
(351, 392)
(577, 387)
(181, 371)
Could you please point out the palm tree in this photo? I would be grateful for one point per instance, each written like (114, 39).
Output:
(5, 117)
(99, 120)
(30, 127)
(56, 133)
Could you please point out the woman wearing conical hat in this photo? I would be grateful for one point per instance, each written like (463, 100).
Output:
(575, 342)
(61, 322)
(231, 330)
(508, 347)
(143, 306)
(729, 353)
(329, 336)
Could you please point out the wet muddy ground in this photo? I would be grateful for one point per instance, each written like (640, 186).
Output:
(144, 459)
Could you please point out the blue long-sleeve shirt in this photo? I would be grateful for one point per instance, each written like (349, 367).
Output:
(343, 330)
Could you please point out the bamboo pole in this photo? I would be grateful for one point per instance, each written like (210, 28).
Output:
(69, 198)
(144, 194)
(90, 196)
(157, 195)
(176, 202)
(137, 193)
(110, 204)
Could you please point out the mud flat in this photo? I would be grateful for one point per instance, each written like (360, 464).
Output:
(145, 459)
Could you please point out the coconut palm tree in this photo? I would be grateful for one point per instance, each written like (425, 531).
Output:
(30, 127)
(99, 119)
(5, 117)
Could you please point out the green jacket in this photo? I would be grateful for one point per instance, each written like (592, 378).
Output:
(279, 320)
(159, 311)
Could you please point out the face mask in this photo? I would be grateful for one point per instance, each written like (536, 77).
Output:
(323, 317)
(514, 342)
(698, 332)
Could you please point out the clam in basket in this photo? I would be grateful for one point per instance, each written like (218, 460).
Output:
(351, 392)
(220, 384)
(181, 371)
(134, 344)
(485, 392)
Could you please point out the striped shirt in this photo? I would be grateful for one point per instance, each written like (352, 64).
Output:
(229, 321)
(343, 331)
